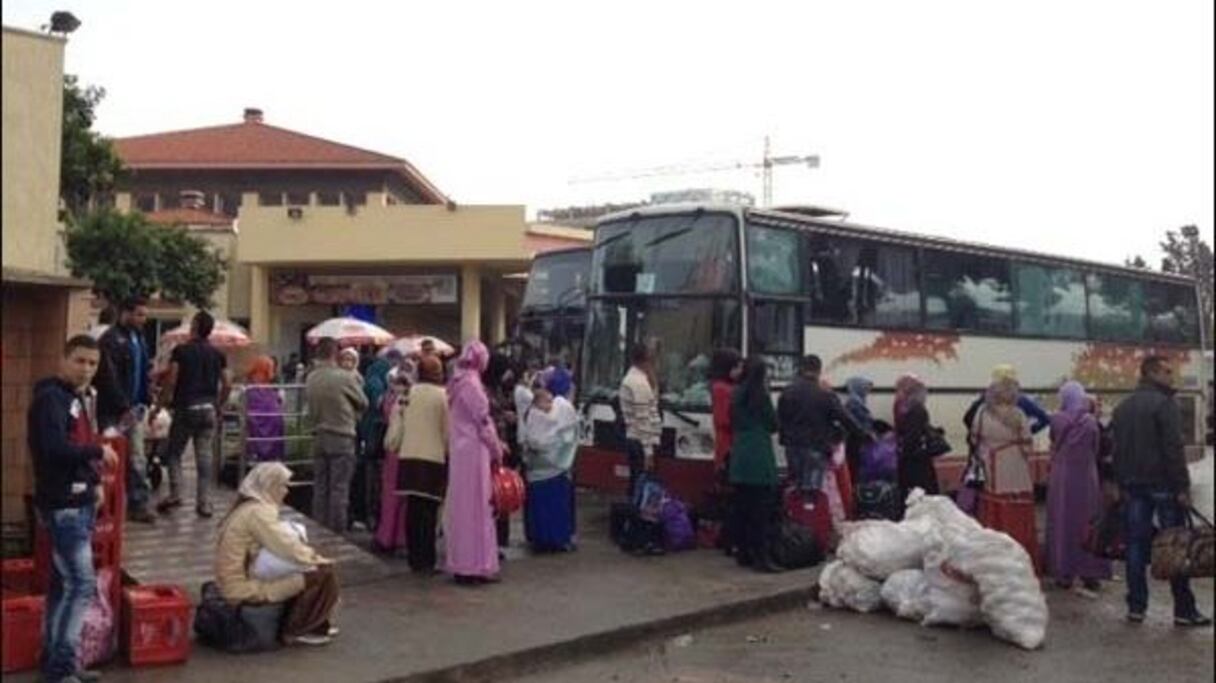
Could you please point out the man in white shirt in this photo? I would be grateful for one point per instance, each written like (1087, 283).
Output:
(640, 410)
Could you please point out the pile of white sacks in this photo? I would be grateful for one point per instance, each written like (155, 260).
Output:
(938, 566)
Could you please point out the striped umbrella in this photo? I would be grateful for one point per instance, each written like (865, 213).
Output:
(225, 335)
(411, 344)
(350, 332)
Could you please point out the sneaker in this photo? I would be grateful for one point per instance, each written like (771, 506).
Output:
(204, 510)
(310, 639)
(1086, 592)
(168, 505)
(142, 516)
(333, 631)
(1135, 617)
(1195, 619)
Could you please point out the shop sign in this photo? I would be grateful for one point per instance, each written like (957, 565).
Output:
(371, 290)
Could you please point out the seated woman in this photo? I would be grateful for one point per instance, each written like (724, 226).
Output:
(550, 439)
(253, 524)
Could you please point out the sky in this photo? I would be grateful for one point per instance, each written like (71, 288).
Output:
(1077, 128)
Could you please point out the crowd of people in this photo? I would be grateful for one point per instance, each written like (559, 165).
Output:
(444, 430)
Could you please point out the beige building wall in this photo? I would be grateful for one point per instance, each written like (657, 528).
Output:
(33, 115)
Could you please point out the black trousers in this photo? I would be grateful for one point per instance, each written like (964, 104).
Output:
(755, 510)
(421, 515)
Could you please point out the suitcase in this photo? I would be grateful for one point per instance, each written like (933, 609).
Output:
(818, 519)
(878, 500)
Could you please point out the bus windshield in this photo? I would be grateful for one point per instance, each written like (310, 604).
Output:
(692, 253)
(558, 280)
(681, 332)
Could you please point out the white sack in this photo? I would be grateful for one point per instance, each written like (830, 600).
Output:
(950, 600)
(941, 512)
(1011, 599)
(906, 593)
(842, 586)
(268, 567)
(879, 548)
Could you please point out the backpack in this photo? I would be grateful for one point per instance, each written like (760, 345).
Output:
(792, 546)
(878, 500)
(678, 533)
(879, 460)
(631, 533)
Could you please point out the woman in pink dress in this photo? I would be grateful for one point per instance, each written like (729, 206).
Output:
(468, 519)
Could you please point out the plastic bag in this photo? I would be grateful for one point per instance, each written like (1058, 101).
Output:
(952, 597)
(1010, 597)
(97, 629)
(879, 548)
(906, 593)
(842, 586)
(269, 567)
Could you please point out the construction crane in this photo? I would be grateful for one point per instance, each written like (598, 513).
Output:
(765, 165)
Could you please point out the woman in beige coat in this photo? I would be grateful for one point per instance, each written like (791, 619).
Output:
(254, 524)
(418, 433)
(1001, 433)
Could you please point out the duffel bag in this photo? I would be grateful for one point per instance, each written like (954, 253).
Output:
(1185, 551)
(793, 547)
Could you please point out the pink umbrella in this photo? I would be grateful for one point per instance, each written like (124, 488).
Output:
(225, 335)
(411, 344)
(350, 332)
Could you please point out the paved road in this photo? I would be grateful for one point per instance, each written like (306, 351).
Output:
(1087, 641)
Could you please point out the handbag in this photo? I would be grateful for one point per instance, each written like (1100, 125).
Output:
(1185, 551)
(1105, 536)
(648, 496)
(934, 444)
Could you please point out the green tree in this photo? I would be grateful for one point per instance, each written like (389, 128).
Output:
(89, 166)
(1187, 254)
(190, 269)
(1136, 262)
(126, 256)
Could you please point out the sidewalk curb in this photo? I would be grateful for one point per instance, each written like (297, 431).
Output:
(566, 652)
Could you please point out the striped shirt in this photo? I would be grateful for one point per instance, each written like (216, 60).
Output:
(640, 408)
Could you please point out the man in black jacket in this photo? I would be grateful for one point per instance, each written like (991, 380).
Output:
(65, 457)
(1150, 466)
(809, 421)
(124, 394)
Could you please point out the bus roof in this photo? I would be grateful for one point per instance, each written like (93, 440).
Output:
(830, 223)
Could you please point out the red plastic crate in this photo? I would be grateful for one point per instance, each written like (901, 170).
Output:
(22, 634)
(156, 625)
(17, 576)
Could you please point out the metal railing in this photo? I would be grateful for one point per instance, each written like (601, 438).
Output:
(235, 439)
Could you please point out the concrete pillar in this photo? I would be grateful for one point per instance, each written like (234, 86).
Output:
(259, 305)
(498, 311)
(470, 302)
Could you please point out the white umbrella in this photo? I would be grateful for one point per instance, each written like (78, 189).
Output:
(225, 335)
(350, 332)
(411, 344)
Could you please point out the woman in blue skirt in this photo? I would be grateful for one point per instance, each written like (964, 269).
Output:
(550, 437)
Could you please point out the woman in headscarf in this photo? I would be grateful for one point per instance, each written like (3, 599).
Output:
(724, 372)
(912, 425)
(418, 436)
(253, 524)
(1001, 434)
(391, 529)
(365, 492)
(753, 465)
(550, 439)
(348, 359)
(500, 377)
(468, 523)
(264, 406)
(1074, 496)
(855, 405)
